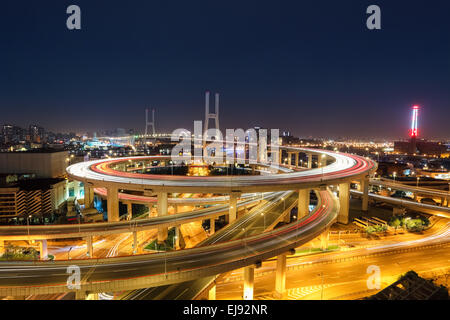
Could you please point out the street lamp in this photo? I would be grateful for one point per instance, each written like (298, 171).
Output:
(321, 293)
(28, 224)
(322, 164)
(394, 174)
(264, 217)
(417, 184)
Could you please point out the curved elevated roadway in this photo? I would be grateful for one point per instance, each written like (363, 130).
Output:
(343, 169)
(141, 271)
(96, 229)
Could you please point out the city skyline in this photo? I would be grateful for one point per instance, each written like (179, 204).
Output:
(309, 68)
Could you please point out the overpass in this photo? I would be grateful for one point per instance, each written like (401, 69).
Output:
(112, 274)
(413, 205)
(141, 271)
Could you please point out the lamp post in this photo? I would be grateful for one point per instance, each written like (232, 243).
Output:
(321, 292)
(264, 217)
(417, 184)
(28, 224)
(322, 164)
(394, 174)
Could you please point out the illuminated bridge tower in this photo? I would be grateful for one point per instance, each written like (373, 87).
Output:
(414, 131)
(149, 124)
(208, 114)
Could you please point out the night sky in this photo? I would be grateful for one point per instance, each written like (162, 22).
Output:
(311, 67)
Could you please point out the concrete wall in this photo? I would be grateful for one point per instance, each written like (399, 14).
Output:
(44, 165)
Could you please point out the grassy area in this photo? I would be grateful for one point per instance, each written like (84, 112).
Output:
(18, 253)
(166, 246)
(316, 250)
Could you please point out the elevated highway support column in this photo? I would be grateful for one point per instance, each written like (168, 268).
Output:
(296, 159)
(309, 160)
(177, 237)
(212, 293)
(162, 211)
(280, 277)
(249, 279)
(321, 161)
(232, 211)
(129, 211)
(89, 247)
(88, 197)
(289, 159)
(303, 203)
(43, 251)
(113, 204)
(80, 295)
(212, 226)
(365, 193)
(324, 237)
(344, 202)
(135, 242)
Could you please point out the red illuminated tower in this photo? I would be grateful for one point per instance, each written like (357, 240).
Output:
(414, 130)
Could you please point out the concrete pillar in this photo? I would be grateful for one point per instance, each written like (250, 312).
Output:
(212, 293)
(212, 226)
(162, 203)
(249, 279)
(162, 211)
(287, 217)
(88, 197)
(303, 203)
(232, 211)
(112, 204)
(163, 233)
(89, 247)
(135, 242)
(129, 211)
(296, 160)
(365, 193)
(321, 161)
(309, 160)
(76, 189)
(324, 237)
(2, 247)
(289, 159)
(175, 209)
(43, 250)
(80, 295)
(280, 277)
(280, 157)
(344, 202)
(177, 237)
(92, 296)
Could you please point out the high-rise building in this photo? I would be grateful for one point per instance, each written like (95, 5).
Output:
(415, 145)
(36, 133)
